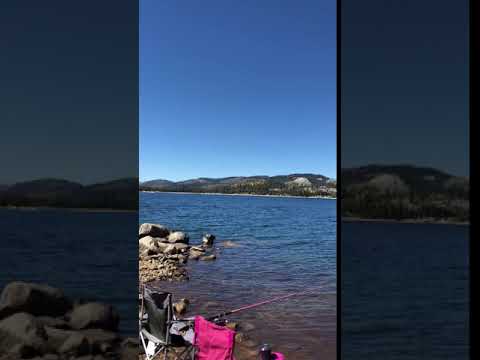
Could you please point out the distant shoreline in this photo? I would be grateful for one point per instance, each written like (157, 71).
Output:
(257, 195)
(32, 208)
(406, 221)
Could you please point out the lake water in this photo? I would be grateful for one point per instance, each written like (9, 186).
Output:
(405, 291)
(88, 254)
(284, 245)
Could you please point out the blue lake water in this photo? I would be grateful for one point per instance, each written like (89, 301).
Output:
(90, 255)
(405, 291)
(284, 245)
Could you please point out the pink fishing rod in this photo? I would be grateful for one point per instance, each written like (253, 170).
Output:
(246, 307)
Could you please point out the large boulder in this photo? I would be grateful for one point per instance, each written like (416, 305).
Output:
(178, 237)
(170, 250)
(75, 345)
(148, 244)
(177, 248)
(59, 323)
(34, 299)
(56, 337)
(130, 349)
(22, 333)
(97, 337)
(94, 315)
(153, 230)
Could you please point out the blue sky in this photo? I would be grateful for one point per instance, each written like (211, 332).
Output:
(405, 88)
(237, 88)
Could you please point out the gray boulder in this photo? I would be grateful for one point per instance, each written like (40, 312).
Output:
(58, 323)
(75, 345)
(177, 248)
(56, 337)
(153, 230)
(94, 315)
(34, 299)
(130, 349)
(178, 237)
(148, 244)
(22, 333)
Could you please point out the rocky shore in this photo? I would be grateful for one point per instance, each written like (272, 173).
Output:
(40, 322)
(163, 253)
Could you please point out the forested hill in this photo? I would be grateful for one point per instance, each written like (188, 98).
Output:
(119, 194)
(293, 184)
(404, 192)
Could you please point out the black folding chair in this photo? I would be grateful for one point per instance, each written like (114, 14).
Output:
(160, 332)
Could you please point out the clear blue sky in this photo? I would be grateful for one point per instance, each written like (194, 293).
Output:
(237, 88)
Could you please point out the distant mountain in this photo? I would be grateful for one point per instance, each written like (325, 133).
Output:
(157, 183)
(117, 194)
(404, 192)
(293, 184)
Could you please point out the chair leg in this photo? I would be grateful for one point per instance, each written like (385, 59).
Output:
(144, 346)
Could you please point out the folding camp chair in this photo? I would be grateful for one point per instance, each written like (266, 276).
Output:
(159, 330)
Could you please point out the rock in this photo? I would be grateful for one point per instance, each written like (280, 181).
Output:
(182, 259)
(20, 351)
(181, 247)
(130, 342)
(181, 306)
(198, 248)
(50, 357)
(94, 315)
(75, 345)
(149, 244)
(173, 249)
(194, 254)
(240, 337)
(208, 257)
(34, 299)
(153, 230)
(96, 337)
(232, 325)
(22, 333)
(56, 337)
(58, 323)
(178, 237)
(130, 349)
(230, 244)
(170, 250)
(208, 239)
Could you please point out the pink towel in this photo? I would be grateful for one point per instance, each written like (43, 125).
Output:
(213, 342)
(277, 356)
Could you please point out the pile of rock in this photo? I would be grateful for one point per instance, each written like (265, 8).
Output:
(39, 321)
(163, 253)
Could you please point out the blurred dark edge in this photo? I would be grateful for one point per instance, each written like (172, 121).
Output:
(404, 179)
(69, 141)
